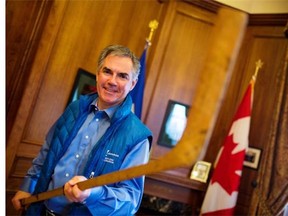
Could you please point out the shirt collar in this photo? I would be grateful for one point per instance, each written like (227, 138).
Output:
(109, 111)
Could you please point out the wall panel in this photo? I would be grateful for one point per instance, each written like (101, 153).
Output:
(174, 74)
(75, 33)
(268, 44)
(72, 39)
(181, 63)
(24, 24)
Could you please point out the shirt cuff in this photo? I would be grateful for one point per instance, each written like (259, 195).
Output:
(28, 185)
(96, 193)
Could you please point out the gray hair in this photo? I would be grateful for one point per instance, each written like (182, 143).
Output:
(119, 50)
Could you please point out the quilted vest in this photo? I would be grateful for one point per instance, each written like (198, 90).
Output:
(125, 131)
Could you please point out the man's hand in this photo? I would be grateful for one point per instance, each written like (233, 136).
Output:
(73, 193)
(16, 199)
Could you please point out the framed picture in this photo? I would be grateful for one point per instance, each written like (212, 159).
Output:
(85, 82)
(252, 158)
(200, 171)
(174, 123)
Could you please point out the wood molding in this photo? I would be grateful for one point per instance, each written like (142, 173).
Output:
(254, 19)
(180, 181)
(268, 19)
(207, 5)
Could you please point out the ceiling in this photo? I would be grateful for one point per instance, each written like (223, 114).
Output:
(258, 6)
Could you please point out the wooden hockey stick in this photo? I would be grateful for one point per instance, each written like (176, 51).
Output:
(227, 36)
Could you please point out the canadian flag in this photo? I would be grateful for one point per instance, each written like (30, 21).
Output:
(222, 192)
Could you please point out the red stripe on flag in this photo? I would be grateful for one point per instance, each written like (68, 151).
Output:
(221, 212)
(245, 104)
(222, 192)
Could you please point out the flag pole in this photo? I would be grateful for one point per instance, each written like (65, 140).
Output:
(153, 25)
(259, 65)
(137, 93)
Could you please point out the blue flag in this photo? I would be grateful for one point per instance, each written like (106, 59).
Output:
(138, 91)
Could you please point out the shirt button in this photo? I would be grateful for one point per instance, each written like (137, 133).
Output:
(77, 155)
(87, 137)
(67, 174)
(97, 119)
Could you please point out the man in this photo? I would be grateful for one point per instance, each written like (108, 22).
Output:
(95, 135)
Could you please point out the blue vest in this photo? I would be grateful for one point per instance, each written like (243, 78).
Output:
(125, 131)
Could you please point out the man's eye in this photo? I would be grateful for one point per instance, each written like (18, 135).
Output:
(123, 76)
(106, 71)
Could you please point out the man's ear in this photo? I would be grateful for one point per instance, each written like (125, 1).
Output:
(97, 74)
(134, 82)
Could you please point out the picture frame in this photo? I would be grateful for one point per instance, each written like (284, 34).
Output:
(200, 171)
(85, 83)
(174, 123)
(252, 158)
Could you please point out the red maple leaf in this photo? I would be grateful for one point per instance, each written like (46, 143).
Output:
(228, 163)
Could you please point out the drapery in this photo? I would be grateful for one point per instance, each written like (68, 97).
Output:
(271, 194)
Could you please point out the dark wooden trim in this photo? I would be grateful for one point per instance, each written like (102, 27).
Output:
(179, 181)
(205, 4)
(254, 19)
(268, 19)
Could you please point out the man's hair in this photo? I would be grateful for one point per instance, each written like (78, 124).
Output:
(119, 50)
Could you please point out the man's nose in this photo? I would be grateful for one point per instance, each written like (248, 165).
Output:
(113, 79)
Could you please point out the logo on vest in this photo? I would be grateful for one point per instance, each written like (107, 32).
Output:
(110, 157)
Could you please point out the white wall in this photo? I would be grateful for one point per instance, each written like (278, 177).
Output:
(258, 6)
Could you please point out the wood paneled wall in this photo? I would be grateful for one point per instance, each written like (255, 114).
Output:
(74, 32)
(269, 44)
(188, 30)
(73, 36)
(25, 21)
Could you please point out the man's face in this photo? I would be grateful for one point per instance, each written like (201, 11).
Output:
(114, 81)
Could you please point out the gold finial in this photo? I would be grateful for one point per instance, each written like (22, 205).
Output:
(152, 25)
(259, 65)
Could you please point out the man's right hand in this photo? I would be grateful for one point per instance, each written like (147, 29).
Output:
(16, 199)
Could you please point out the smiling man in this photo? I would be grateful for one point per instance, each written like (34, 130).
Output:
(95, 135)
(115, 79)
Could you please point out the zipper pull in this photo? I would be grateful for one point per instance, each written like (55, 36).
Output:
(91, 175)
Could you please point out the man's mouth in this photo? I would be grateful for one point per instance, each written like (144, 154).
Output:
(110, 90)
